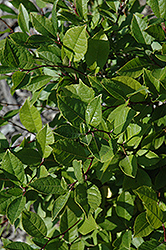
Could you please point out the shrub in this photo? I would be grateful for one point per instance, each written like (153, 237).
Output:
(94, 177)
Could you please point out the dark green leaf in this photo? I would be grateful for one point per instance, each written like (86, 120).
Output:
(59, 204)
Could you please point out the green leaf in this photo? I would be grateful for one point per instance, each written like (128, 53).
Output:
(81, 91)
(20, 80)
(43, 25)
(142, 228)
(120, 117)
(50, 54)
(156, 31)
(146, 194)
(72, 109)
(151, 82)
(125, 206)
(88, 225)
(154, 215)
(18, 246)
(47, 185)
(81, 7)
(160, 179)
(54, 16)
(75, 43)
(68, 219)
(138, 25)
(78, 172)
(94, 197)
(23, 18)
(15, 208)
(24, 154)
(37, 82)
(7, 9)
(124, 241)
(98, 50)
(129, 165)
(30, 117)
(33, 224)
(44, 138)
(133, 68)
(158, 7)
(93, 113)
(67, 131)
(65, 151)
(28, 5)
(13, 168)
(77, 246)
(59, 204)
(81, 198)
(129, 87)
(149, 245)
(147, 158)
(16, 56)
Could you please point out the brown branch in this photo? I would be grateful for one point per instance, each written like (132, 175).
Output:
(6, 24)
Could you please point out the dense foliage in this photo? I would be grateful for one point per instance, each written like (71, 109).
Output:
(94, 177)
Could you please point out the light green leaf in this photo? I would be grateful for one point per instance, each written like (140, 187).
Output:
(154, 215)
(47, 185)
(94, 197)
(59, 204)
(77, 246)
(44, 138)
(54, 16)
(158, 7)
(23, 18)
(33, 224)
(81, 91)
(146, 194)
(88, 225)
(18, 246)
(124, 241)
(50, 54)
(133, 68)
(43, 25)
(30, 117)
(129, 165)
(121, 117)
(149, 245)
(138, 25)
(68, 219)
(98, 50)
(142, 228)
(15, 208)
(20, 80)
(81, 7)
(125, 206)
(37, 82)
(75, 43)
(65, 151)
(77, 165)
(147, 158)
(13, 168)
(72, 109)
(93, 113)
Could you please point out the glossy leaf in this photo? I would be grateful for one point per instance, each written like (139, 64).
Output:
(93, 113)
(44, 138)
(13, 168)
(23, 18)
(88, 226)
(65, 151)
(75, 43)
(125, 206)
(142, 228)
(98, 50)
(158, 7)
(30, 117)
(129, 165)
(33, 224)
(154, 215)
(15, 208)
(138, 26)
(37, 82)
(20, 80)
(81, 6)
(59, 204)
(43, 25)
(156, 31)
(77, 165)
(18, 246)
(47, 185)
(146, 194)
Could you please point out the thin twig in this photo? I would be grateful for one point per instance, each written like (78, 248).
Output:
(7, 24)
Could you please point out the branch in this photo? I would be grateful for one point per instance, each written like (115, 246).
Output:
(54, 66)
(7, 25)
